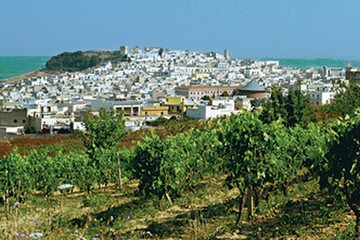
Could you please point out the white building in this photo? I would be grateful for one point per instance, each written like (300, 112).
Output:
(218, 109)
(321, 97)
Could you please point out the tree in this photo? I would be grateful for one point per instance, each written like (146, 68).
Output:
(253, 153)
(155, 170)
(103, 133)
(160, 52)
(294, 108)
(14, 178)
(47, 169)
(225, 94)
(342, 167)
(298, 109)
(348, 100)
(206, 98)
(75, 61)
(257, 103)
(160, 121)
(274, 108)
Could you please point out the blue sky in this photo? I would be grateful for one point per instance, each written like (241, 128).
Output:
(248, 28)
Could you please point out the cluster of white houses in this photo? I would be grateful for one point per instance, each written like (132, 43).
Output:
(41, 116)
(153, 84)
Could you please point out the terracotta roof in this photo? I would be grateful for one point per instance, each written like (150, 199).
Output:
(206, 87)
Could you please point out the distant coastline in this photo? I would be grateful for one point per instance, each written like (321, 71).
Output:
(315, 63)
(13, 67)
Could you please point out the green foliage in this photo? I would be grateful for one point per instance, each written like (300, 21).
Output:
(255, 153)
(45, 171)
(157, 173)
(14, 177)
(244, 141)
(103, 133)
(257, 102)
(274, 108)
(76, 61)
(298, 109)
(261, 156)
(30, 130)
(343, 166)
(225, 94)
(294, 108)
(117, 57)
(158, 122)
(79, 172)
(161, 51)
(207, 151)
(347, 101)
(206, 98)
(174, 164)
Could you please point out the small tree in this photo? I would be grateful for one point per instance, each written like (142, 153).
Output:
(294, 108)
(160, 52)
(274, 108)
(101, 139)
(225, 94)
(206, 98)
(343, 166)
(348, 100)
(253, 154)
(14, 178)
(298, 109)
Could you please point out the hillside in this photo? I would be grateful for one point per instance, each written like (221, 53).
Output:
(73, 61)
(78, 61)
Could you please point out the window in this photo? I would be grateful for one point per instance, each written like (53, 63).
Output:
(24, 121)
(15, 120)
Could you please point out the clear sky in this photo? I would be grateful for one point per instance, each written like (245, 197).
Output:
(247, 28)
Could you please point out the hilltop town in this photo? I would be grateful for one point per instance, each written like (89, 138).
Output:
(156, 82)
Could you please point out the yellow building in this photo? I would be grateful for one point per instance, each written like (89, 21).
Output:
(200, 75)
(154, 110)
(178, 104)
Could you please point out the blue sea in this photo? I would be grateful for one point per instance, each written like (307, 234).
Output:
(15, 66)
(316, 63)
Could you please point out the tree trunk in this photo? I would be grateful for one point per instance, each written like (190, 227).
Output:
(250, 202)
(119, 173)
(168, 198)
(241, 207)
(18, 191)
(5, 206)
(284, 189)
(257, 195)
(357, 227)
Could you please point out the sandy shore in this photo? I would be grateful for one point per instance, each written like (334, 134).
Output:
(34, 74)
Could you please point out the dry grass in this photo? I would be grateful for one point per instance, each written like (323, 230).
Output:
(208, 213)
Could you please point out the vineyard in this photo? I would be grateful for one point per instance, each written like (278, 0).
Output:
(237, 177)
